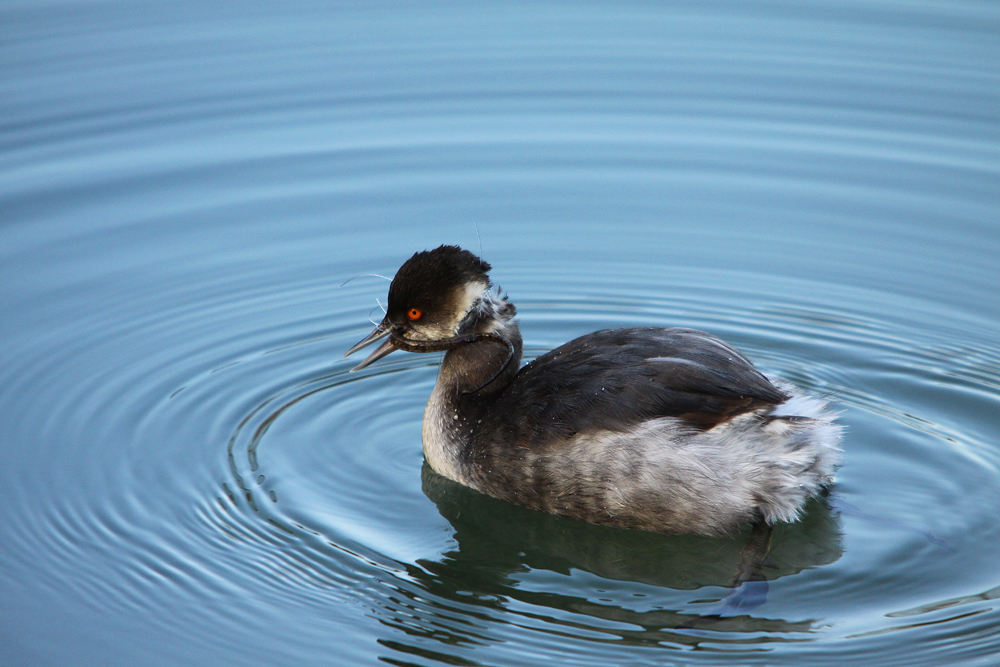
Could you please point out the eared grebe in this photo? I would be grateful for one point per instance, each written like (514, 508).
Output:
(668, 430)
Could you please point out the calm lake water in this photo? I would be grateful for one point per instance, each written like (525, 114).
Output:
(189, 474)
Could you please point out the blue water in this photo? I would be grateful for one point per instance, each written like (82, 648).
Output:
(190, 475)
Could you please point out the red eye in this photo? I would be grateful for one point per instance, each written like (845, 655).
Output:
(414, 313)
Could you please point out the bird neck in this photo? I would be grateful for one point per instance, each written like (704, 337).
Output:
(473, 375)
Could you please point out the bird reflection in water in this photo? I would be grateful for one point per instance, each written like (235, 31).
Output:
(498, 543)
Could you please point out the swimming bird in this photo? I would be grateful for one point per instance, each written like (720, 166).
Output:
(662, 429)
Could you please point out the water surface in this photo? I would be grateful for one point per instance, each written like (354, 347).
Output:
(191, 476)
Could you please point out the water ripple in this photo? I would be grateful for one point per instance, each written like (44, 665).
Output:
(190, 465)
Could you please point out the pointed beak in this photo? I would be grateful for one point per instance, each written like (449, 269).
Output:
(382, 350)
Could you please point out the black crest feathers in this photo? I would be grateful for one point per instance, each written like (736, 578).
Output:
(426, 279)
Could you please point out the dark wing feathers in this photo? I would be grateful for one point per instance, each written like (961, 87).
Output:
(613, 379)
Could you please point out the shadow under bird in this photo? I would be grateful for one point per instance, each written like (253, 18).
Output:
(662, 429)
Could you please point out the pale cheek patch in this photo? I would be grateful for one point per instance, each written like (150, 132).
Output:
(461, 302)
(465, 298)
